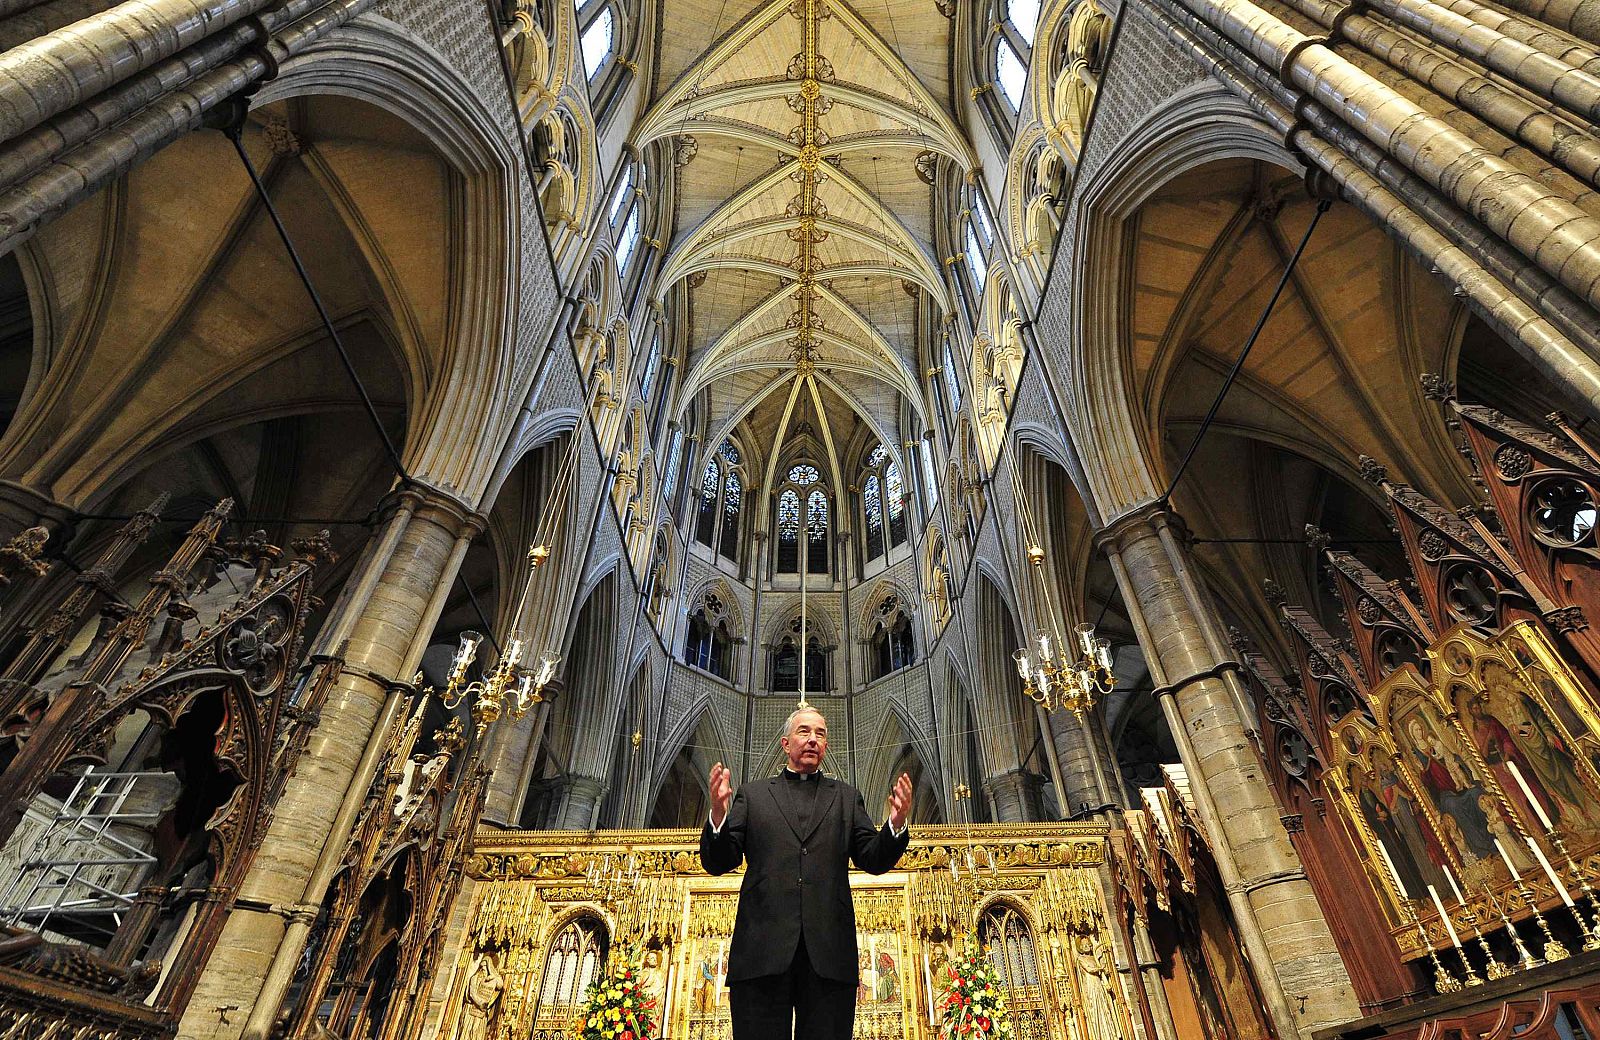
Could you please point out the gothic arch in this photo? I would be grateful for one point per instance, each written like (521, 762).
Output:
(720, 586)
(1201, 124)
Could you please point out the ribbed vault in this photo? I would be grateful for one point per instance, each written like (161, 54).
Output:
(807, 134)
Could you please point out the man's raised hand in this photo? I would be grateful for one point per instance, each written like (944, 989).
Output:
(722, 793)
(899, 801)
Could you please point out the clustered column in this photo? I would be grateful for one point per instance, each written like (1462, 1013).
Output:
(382, 623)
(1285, 935)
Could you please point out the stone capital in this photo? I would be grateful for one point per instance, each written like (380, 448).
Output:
(435, 505)
(22, 507)
(1156, 516)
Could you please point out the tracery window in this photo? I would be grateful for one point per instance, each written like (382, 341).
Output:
(706, 644)
(599, 36)
(977, 233)
(786, 662)
(674, 464)
(628, 240)
(930, 482)
(883, 503)
(651, 362)
(573, 962)
(802, 507)
(626, 215)
(893, 647)
(721, 502)
(1006, 935)
(1016, 22)
(817, 533)
(952, 382)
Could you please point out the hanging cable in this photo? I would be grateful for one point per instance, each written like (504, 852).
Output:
(1323, 206)
(235, 132)
(1249, 344)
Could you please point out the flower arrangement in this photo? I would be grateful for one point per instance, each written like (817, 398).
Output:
(615, 1006)
(973, 1005)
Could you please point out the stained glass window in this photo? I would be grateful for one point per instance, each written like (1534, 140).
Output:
(894, 492)
(817, 533)
(872, 505)
(732, 497)
(710, 488)
(730, 452)
(803, 474)
(788, 531)
(883, 501)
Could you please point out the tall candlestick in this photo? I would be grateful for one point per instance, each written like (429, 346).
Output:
(927, 977)
(1550, 872)
(1448, 876)
(1553, 950)
(1469, 973)
(1455, 939)
(1393, 873)
(1509, 865)
(1527, 792)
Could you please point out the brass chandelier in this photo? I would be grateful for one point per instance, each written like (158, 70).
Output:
(510, 682)
(1055, 673)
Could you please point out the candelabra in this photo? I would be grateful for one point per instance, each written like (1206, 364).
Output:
(1053, 676)
(506, 682)
(1443, 981)
(1493, 968)
(1591, 931)
(1053, 679)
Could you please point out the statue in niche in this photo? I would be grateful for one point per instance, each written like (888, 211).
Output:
(478, 1011)
(1096, 979)
(653, 982)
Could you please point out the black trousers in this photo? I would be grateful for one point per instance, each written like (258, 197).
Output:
(798, 1003)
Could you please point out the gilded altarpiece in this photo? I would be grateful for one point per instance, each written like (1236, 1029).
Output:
(1430, 768)
(1036, 895)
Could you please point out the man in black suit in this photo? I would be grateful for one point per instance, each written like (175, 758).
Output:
(792, 967)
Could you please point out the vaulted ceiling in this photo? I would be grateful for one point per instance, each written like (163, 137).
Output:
(807, 132)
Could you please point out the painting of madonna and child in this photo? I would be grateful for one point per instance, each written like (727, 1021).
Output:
(1444, 796)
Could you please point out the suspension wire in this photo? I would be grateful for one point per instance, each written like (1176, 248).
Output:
(1323, 205)
(1249, 344)
(235, 132)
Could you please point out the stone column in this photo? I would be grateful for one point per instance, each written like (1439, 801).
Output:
(1285, 936)
(384, 623)
(1014, 796)
(581, 798)
(1088, 776)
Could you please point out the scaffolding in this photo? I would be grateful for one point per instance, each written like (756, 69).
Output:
(79, 868)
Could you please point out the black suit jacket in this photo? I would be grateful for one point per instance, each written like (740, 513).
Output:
(797, 880)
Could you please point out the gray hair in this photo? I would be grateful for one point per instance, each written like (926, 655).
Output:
(788, 724)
